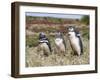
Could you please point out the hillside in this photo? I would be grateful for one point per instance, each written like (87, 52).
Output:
(35, 25)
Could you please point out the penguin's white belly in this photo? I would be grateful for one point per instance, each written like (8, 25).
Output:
(45, 47)
(75, 44)
(59, 44)
(58, 41)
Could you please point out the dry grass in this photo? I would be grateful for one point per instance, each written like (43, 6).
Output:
(36, 58)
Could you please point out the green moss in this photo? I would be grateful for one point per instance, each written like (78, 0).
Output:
(32, 41)
(85, 33)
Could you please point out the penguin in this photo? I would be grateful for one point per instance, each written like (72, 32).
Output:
(75, 40)
(60, 42)
(45, 43)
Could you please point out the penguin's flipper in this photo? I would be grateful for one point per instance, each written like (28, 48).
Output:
(49, 45)
(80, 41)
(81, 44)
(64, 42)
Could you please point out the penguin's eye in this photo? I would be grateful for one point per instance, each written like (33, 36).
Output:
(69, 34)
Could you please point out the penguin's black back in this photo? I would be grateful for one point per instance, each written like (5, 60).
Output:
(81, 45)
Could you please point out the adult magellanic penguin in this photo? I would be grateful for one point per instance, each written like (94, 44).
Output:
(75, 40)
(60, 42)
(44, 43)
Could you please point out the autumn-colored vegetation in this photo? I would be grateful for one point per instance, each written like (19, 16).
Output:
(49, 25)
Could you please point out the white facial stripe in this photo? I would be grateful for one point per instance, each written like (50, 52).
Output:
(70, 29)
